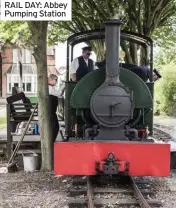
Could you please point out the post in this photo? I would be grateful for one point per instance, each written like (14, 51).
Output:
(1, 44)
(9, 136)
(19, 63)
(0, 73)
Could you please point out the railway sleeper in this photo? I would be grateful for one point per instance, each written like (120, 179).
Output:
(83, 181)
(79, 203)
(83, 191)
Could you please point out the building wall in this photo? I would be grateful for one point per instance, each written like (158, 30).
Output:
(7, 62)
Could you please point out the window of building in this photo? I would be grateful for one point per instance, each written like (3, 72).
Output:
(16, 80)
(35, 83)
(15, 55)
(9, 84)
(28, 55)
(24, 86)
(29, 83)
(25, 56)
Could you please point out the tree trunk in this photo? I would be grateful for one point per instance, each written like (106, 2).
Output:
(39, 35)
(133, 53)
(125, 48)
(144, 56)
(98, 48)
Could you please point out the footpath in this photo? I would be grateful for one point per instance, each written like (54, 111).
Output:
(170, 122)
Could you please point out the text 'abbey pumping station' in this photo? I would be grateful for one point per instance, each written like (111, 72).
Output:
(36, 10)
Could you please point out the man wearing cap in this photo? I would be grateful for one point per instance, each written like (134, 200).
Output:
(82, 65)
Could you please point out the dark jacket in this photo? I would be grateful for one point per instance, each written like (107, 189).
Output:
(83, 69)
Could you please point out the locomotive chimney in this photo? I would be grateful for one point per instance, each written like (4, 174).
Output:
(112, 40)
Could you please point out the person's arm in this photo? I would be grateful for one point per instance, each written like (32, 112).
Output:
(73, 68)
(54, 92)
(94, 65)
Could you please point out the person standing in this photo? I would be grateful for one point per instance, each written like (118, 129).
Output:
(82, 65)
(53, 102)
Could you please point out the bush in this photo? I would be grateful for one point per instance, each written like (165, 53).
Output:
(3, 122)
(165, 89)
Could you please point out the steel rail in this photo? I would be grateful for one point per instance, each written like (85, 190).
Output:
(90, 193)
(163, 132)
(142, 201)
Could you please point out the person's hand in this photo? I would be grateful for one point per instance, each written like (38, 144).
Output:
(155, 77)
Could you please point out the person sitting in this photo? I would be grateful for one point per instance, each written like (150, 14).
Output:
(82, 65)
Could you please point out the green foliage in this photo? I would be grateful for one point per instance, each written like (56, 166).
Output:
(17, 32)
(165, 89)
(165, 57)
(56, 33)
(164, 36)
(12, 31)
(169, 90)
(144, 16)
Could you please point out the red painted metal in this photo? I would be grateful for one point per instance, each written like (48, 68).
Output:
(142, 133)
(79, 158)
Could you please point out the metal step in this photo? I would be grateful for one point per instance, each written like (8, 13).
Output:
(37, 151)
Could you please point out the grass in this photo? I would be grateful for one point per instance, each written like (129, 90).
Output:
(3, 122)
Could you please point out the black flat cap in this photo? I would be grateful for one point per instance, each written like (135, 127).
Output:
(87, 48)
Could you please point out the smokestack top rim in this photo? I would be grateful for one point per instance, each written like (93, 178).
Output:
(113, 22)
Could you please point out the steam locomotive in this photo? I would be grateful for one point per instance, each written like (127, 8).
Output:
(108, 116)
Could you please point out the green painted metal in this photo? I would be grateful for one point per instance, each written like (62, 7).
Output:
(33, 99)
(69, 113)
(149, 116)
(81, 95)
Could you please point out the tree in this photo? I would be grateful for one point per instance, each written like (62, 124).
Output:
(165, 89)
(39, 36)
(89, 14)
(147, 17)
(10, 30)
(142, 16)
(162, 58)
(34, 36)
(164, 36)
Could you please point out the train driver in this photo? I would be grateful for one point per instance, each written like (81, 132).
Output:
(82, 65)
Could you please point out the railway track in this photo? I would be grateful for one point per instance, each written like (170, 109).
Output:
(94, 191)
(114, 192)
(160, 132)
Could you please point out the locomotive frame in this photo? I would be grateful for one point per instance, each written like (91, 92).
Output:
(87, 157)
